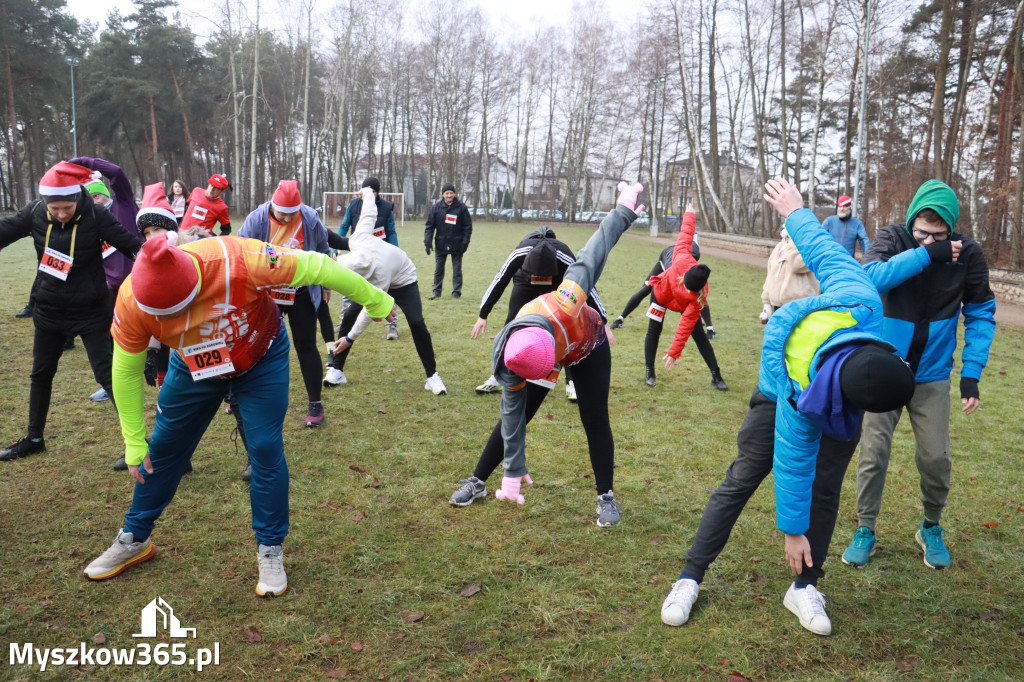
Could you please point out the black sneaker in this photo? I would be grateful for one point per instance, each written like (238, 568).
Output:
(650, 380)
(434, 296)
(24, 312)
(121, 465)
(247, 474)
(717, 381)
(456, 295)
(69, 343)
(23, 448)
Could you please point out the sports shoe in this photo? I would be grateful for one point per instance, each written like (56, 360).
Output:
(456, 295)
(617, 323)
(24, 312)
(677, 606)
(100, 396)
(607, 510)
(273, 580)
(650, 379)
(22, 448)
(121, 465)
(860, 550)
(570, 392)
(435, 384)
(247, 474)
(315, 416)
(69, 343)
(930, 540)
(717, 381)
(392, 332)
(434, 296)
(125, 552)
(809, 606)
(470, 489)
(489, 386)
(334, 377)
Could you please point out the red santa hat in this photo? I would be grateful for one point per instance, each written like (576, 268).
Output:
(156, 210)
(844, 201)
(219, 181)
(164, 278)
(286, 197)
(63, 181)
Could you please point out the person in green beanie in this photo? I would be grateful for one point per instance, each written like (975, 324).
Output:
(928, 275)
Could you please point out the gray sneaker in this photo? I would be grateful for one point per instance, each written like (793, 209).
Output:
(470, 489)
(607, 510)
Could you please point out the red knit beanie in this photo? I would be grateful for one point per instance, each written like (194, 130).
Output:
(530, 352)
(164, 278)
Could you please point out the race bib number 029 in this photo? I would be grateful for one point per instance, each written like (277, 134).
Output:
(208, 359)
(56, 264)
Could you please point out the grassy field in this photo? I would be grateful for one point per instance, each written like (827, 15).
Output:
(380, 566)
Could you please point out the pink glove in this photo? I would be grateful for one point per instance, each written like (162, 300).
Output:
(628, 194)
(510, 488)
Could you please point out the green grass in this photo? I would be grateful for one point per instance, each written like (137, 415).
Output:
(373, 539)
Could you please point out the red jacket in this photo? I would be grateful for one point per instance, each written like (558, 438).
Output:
(670, 292)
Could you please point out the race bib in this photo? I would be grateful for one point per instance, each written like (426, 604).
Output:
(656, 312)
(56, 264)
(283, 295)
(379, 232)
(550, 380)
(208, 359)
(541, 281)
(451, 219)
(108, 250)
(199, 212)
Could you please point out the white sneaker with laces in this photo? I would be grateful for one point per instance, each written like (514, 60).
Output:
(489, 386)
(676, 609)
(273, 580)
(392, 334)
(570, 391)
(809, 606)
(334, 377)
(123, 553)
(435, 384)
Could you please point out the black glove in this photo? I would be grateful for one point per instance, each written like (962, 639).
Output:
(710, 332)
(969, 388)
(428, 248)
(617, 323)
(940, 252)
(150, 371)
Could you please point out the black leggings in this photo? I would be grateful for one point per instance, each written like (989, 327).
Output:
(302, 318)
(47, 348)
(592, 377)
(698, 335)
(635, 299)
(323, 316)
(408, 300)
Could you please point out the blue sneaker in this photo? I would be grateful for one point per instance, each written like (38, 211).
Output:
(860, 550)
(935, 554)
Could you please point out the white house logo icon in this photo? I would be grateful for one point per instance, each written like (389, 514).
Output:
(157, 610)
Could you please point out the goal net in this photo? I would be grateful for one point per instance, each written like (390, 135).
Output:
(335, 204)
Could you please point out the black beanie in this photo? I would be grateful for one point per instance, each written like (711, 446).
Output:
(696, 277)
(373, 183)
(150, 219)
(447, 187)
(876, 380)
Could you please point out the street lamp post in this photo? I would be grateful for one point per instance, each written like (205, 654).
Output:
(73, 62)
(656, 153)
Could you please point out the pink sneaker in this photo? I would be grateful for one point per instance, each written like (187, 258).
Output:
(315, 417)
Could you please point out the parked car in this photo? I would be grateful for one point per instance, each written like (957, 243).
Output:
(597, 216)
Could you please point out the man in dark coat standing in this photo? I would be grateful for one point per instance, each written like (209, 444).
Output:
(449, 227)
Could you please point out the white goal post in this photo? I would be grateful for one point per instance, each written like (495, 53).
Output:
(335, 204)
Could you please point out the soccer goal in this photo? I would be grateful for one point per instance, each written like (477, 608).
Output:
(335, 204)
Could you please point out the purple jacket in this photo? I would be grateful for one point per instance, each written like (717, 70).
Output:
(122, 205)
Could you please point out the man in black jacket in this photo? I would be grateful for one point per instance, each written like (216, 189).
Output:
(449, 227)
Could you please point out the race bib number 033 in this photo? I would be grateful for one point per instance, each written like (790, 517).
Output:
(209, 359)
(56, 264)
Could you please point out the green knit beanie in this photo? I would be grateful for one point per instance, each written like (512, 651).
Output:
(98, 187)
(939, 197)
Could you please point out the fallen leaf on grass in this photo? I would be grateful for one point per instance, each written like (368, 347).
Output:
(738, 677)
(384, 498)
(657, 541)
(358, 517)
(469, 590)
(251, 634)
(506, 677)
(376, 483)
(354, 467)
(327, 639)
(549, 416)
(414, 617)
(337, 673)
(357, 646)
(99, 638)
(725, 661)
(1020, 509)
(705, 668)
(991, 524)
(21, 608)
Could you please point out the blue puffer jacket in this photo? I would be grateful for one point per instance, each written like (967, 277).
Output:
(314, 235)
(846, 288)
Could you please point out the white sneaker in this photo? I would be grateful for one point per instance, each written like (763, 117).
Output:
(334, 377)
(273, 580)
(489, 386)
(392, 334)
(676, 609)
(570, 391)
(123, 553)
(435, 384)
(809, 606)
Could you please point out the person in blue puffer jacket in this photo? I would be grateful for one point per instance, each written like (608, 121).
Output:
(928, 276)
(823, 364)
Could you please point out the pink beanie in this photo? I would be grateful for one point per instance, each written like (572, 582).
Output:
(530, 352)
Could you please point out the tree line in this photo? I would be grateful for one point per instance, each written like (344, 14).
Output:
(700, 99)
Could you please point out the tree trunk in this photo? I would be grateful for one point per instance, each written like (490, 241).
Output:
(939, 91)
(255, 100)
(12, 125)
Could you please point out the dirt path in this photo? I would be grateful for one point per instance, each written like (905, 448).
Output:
(1006, 312)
